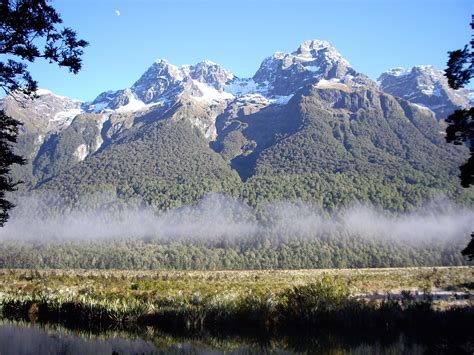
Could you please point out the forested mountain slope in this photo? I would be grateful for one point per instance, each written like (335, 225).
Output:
(306, 126)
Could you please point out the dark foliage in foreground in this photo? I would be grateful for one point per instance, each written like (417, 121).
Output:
(461, 123)
(8, 136)
(469, 250)
(29, 30)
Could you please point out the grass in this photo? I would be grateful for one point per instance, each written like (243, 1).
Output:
(173, 283)
(271, 299)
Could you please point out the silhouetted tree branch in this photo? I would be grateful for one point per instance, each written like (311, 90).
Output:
(460, 68)
(460, 128)
(28, 30)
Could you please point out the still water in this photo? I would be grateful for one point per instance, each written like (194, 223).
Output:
(21, 338)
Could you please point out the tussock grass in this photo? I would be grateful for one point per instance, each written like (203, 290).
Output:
(224, 299)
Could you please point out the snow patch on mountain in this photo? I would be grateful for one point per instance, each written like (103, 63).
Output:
(281, 100)
(67, 116)
(209, 94)
(422, 107)
(426, 86)
(44, 92)
(98, 106)
(133, 105)
(253, 99)
(313, 68)
(331, 84)
(399, 71)
(241, 87)
(316, 49)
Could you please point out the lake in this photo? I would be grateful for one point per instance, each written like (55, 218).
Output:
(21, 337)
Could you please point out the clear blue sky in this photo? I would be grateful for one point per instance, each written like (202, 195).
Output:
(127, 36)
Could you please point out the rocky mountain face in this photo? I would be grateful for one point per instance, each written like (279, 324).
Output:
(337, 129)
(163, 83)
(426, 86)
(44, 119)
(47, 113)
(281, 75)
(180, 132)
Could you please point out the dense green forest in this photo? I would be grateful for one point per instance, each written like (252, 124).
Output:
(278, 245)
(326, 191)
(329, 252)
(326, 149)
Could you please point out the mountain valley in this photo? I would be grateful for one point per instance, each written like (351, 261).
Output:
(306, 150)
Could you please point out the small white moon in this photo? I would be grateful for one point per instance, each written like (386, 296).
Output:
(117, 12)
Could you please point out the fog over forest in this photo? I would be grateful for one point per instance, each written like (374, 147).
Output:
(218, 217)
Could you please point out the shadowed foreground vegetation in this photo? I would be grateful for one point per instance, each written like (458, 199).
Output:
(229, 301)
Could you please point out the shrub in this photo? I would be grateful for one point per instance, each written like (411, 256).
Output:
(315, 302)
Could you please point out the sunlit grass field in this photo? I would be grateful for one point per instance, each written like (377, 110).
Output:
(270, 298)
(123, 283)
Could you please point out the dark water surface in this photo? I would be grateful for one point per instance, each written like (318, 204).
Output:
(19, 337)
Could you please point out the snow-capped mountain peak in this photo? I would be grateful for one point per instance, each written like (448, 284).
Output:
(121, 101)
(314, 44)
(277, 79)
(47, 112)
(310, 54)
(314, 60)
(424, 85)
(44, 92)
(162, 61)
(210, 73)
(319, 50)
(398, 71)
(159, 78)
(163, 83)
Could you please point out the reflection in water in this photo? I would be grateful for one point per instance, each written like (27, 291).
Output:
(25, 338)
(21, 339)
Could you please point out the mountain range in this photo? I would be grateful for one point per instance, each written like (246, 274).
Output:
(306, 126)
